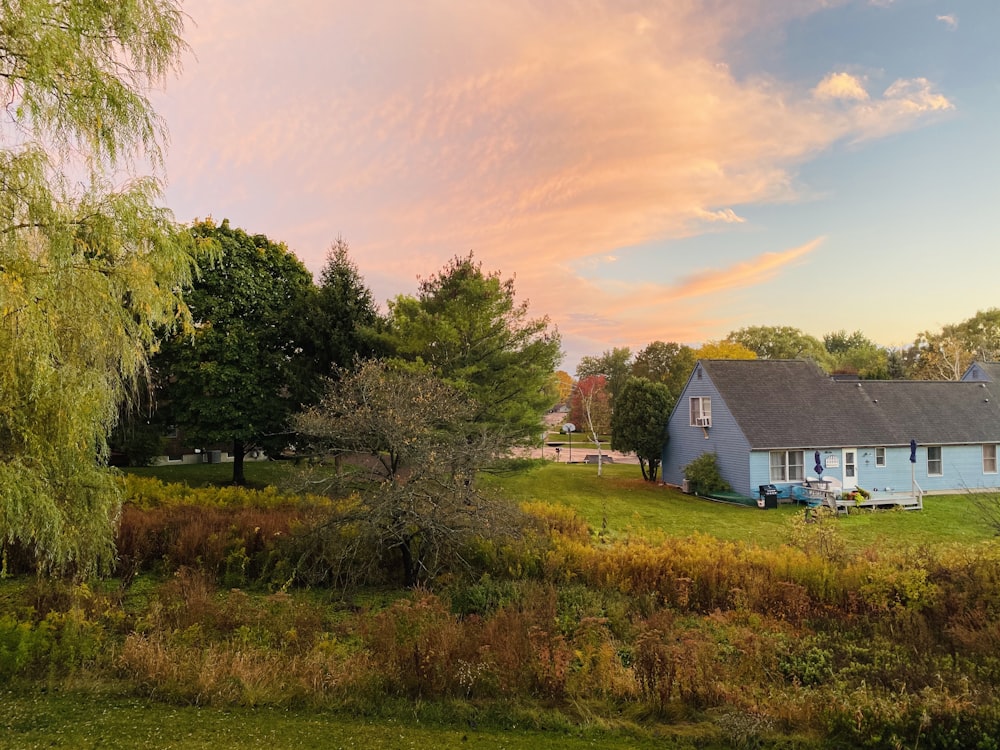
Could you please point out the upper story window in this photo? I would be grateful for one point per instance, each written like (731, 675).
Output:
(880, 457)
(990, 458)
(701, 411)
(935, 467)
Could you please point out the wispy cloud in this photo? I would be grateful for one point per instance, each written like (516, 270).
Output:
(530, 133)
(741, 275)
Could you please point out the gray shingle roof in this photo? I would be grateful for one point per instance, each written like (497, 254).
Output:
(793, 404)
(988, 371)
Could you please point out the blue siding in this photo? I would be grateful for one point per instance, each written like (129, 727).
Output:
(724, 438)
(962, 468)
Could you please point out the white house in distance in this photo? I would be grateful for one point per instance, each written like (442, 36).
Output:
(784, 422)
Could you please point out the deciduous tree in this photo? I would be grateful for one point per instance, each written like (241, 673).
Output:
(723, 350)
(639, 422)
(241, 373)
(418, 507)
(614, 364)
(89, 273)
(665, 362)
(591, 409)
(780, 342)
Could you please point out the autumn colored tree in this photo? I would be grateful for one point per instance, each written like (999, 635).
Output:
(723, 350)
(614, 364)
(591, 409)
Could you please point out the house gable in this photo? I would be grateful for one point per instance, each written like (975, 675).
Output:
(764, 406)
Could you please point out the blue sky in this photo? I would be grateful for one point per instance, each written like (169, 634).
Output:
(646, 170)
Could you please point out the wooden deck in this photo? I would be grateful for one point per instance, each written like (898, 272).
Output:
(836, 501)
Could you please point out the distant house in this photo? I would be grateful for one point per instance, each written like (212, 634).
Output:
(782, 422)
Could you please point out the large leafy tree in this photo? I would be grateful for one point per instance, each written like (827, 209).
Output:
(780, 342)
(416, 508)
(89, 271)
(723, 350)
(946, 354)
(614, 364)
(242, 371)
(639, 422)
(467, 327)
(665, 362)
(856, 354)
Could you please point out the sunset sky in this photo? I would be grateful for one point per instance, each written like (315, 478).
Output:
(646, 170)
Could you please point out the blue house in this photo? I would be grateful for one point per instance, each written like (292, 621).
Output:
(788, 424)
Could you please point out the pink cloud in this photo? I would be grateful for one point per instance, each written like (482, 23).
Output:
(527, 132)
(748, 273)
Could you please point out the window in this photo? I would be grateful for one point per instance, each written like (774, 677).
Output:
(701, 411)
(990, 458)
(787, 466)
(880, 457)
(934, 465)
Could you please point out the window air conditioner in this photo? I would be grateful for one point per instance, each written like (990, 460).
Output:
(703, 421)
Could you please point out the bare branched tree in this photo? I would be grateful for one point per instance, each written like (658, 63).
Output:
(415, 503)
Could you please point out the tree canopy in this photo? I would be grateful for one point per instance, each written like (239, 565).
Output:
(639, 422)
(89, 274)
(665, 362)
(240, 374)
(614, 364)
(780, 342)
(467, 327)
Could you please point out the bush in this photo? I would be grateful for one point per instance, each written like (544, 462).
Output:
(704, 477)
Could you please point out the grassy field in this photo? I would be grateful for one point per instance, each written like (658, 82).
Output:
(83, 721)
(620, 502)
(205, 660)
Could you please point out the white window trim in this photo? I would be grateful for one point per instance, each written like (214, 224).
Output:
(880, 455)
(940, 461)
(703, 410)
(993, 458)
(786, 465)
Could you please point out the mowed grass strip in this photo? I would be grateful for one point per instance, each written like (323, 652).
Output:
(79, 721)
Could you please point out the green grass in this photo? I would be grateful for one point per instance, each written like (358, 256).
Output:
(258, 473)
(621, 503)
(83, 721)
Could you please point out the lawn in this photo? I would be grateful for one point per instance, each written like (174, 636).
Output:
(620, 502)
(86, 720)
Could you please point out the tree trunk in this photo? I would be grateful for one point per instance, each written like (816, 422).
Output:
(239, 450)
(409, 566)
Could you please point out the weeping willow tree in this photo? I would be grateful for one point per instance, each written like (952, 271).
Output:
(90, 266)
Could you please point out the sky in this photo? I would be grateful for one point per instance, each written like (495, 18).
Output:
(645, 170)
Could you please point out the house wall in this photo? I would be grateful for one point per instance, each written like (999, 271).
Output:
(962, 469)
(724, 438)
